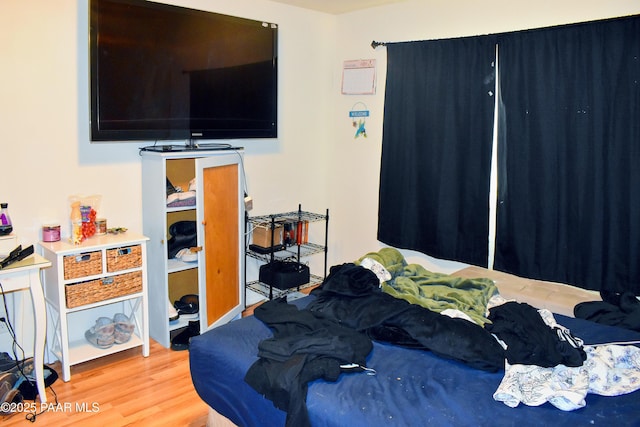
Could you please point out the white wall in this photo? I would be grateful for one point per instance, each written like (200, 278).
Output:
(354, 186)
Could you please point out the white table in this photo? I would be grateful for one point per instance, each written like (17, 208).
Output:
(25, 274)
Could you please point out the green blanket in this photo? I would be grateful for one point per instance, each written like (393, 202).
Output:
(435, 291)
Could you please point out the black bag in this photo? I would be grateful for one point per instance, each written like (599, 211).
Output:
(19, 378)
(29, 388)
(284, 274)
(183, 235)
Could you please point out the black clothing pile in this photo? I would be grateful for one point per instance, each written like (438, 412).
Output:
(530, 341)
(615, 309)
(351, 295)
(303, 348)
(336, 329)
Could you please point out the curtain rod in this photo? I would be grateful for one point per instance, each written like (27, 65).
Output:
(375, 44)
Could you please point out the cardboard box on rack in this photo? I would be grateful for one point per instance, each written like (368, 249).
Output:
(261, 235)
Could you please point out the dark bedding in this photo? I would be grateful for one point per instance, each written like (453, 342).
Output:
(411, 387)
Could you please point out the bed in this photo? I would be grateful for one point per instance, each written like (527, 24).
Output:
(409, 387)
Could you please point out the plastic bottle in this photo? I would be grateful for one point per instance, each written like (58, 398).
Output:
(5, 220)
(76, 223)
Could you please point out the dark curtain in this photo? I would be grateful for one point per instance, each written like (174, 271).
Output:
(569, 190)
(436, 149)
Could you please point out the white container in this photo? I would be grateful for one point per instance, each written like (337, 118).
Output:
(7, 244)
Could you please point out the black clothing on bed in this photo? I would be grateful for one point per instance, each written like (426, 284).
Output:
(351, 295)
(615, 309)
(530, 341)
(303, 348)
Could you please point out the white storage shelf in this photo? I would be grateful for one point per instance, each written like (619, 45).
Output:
(67, 325)
(218, 212)
(174, 265)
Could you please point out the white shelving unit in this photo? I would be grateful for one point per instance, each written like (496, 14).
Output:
(218, 211)
(69, 319)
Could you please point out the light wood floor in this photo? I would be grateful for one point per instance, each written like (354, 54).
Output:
(126, 389)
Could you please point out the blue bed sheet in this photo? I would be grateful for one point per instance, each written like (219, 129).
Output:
(411, 387)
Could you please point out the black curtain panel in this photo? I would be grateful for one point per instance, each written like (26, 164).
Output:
(569, 186)
(436, 148)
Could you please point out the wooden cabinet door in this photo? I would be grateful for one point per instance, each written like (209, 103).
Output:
(220, 221)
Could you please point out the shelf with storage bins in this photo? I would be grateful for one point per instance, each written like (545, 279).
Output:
(285, 237)
(100, 277)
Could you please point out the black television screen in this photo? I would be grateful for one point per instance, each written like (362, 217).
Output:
(162, 72)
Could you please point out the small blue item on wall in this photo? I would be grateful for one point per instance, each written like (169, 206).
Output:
(361, 122)
(360, 129)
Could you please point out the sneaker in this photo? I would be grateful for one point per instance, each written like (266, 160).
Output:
(7, 381)
(187, 255)
(188, 304)
(101, 334)
(181, 341)
(173, 313)
(8, 392)
(123, 328)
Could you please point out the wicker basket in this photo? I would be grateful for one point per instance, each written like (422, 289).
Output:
(82, 265)
(119, 259)
(83, 293)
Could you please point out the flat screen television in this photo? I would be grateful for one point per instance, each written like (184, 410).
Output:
(163, 72)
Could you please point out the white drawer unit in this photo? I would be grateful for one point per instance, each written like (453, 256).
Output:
(101, 277)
